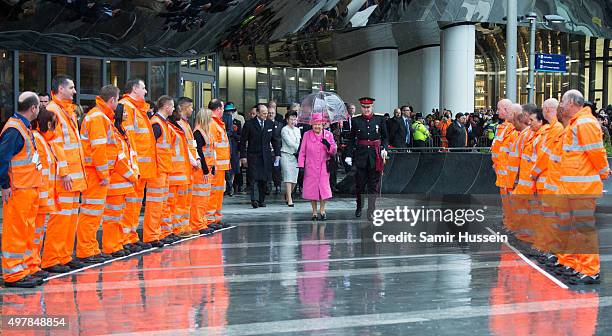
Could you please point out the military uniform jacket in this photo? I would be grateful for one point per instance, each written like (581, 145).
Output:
(362, 129)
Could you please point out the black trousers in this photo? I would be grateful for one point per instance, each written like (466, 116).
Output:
(420, 143)
(258, 191)
(367, 181)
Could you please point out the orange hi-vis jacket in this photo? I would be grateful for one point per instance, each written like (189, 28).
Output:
(496, 145)
(505, 179)
(443, 127)
(47, 193)
(500, 145)
(583, 160)
(208, 150)
(181, 168)
(526, 185)
(546, 169)
(67, 144)
(163, 145)
(222, 145)
(191, 143)
(97, 138)
(515, 151)
(140, 135)
(122, 178)
(24, 172)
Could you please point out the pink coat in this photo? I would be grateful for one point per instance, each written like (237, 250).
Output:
(313, 157)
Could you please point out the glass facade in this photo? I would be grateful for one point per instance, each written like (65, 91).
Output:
(163, 77)
(63, 65)
(32, 72)
(116, 72)
(91, 75)
(246, 86)
(158, 79)
(588, 67)
(6, 85)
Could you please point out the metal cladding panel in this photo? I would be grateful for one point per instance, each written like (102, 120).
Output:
(296, 32)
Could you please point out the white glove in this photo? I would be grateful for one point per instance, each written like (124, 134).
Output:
(383, 154)
(349, 161)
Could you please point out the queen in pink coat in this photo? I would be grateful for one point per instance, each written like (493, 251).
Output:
(318, 146)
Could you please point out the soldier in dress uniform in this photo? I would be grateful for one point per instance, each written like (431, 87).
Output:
(368, 143)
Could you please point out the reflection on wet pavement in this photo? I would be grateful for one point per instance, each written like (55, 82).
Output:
(282, 273)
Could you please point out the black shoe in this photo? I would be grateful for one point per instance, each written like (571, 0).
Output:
(207, 231)
(167, 240)
(142, 244)
(96, 259)
(565, 271)
(105, 256)
(314, 217)
(132, 248)
(59, 268)
(254, 204)
(583, 279)
(175, 237)
(156, 243)
(119, 254)
(75, 264)
(323, 216)
(290, 205)
(27, 282)
(215, 226)
(224, 225)
(370, 215)
(358, 213)
(261, 204)
(41, 274)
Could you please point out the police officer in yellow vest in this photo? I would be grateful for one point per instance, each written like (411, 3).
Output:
(420, 133)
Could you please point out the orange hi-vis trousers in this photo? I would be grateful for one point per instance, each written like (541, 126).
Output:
(90, 215)
(131, 215)
(155, 210)
(216, 196)
(33, 261)
(171, 213)
(19, 216)
(113, 234)
(200, 197)
(61, 230)
(180, 222)
(179, 208)
(582, 242)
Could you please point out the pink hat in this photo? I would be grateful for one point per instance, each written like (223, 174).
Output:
(316, 118)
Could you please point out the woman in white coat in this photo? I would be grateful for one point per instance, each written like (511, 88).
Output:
(290, 136)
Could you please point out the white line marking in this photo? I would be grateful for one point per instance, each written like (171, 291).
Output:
(530, 263)
(129, 256)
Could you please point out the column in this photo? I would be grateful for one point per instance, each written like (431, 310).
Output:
(458, 46)
(372, 74)
(419, 79)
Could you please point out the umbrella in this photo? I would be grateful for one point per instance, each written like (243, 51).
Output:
(328, 104)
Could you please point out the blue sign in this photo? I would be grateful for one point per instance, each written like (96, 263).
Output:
(550, 63)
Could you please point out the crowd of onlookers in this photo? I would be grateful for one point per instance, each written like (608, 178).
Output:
(443, 128)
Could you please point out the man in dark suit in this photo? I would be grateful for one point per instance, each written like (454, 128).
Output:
(277, 176)
(397, 129)
(457, 133)
(255, 152)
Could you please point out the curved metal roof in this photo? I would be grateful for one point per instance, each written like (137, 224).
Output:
(264, 32)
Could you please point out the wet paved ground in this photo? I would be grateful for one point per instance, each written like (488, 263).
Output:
(277, 272)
